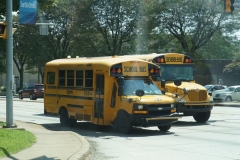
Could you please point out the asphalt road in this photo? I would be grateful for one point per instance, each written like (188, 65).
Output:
(218, 139)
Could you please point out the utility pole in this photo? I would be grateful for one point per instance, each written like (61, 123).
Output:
(9, 72)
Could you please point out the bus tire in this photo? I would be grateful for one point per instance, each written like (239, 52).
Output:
(164, 128)
(123, 123)
(64, 120)
(202, 117)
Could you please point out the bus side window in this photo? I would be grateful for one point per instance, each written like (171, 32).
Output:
(114, 93)
(88, 78)
(50, 77)
(70, 77)
(61, 77)
(79, 78)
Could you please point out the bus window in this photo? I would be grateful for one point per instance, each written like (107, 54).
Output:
(183, 72)
(79, 78)
(61, 79)
(88, 78)
(130, 87)
(50, 77)
(70, 77)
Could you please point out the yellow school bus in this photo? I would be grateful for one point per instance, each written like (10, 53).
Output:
(176, 79)
(111, 91)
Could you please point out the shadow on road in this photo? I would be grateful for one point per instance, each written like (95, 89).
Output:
(91, 130)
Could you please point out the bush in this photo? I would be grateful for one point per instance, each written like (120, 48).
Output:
(3, 89)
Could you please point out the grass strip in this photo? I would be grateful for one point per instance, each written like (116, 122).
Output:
(14, 140)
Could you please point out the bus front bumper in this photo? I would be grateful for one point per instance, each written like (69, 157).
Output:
(194, 107)
(148, 121)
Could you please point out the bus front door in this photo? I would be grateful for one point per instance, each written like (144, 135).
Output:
(50, 90)
(99, 100)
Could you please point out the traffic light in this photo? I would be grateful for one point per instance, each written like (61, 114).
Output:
(3, 33)
(228, 5)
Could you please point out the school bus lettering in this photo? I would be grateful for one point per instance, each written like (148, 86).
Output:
(69, 92)
(142, 69)
(86, 93)
(135, 69)
(174, 59)
(130, 69)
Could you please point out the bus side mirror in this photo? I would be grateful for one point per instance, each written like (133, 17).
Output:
(140, 92)
(120, 81)
(120, 91)
(177, 82)
(163, 82)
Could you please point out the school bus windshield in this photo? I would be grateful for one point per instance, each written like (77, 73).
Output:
(131, 85)
(173, 72)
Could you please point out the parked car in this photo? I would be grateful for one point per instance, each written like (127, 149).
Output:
(213, 87)
(32, 91)
(231, 93)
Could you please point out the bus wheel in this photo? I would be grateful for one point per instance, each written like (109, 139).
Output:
(202, 116)
(164, 128)
(64, 117)
(123, 122)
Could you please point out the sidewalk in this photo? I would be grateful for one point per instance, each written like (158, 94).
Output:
(51, 145)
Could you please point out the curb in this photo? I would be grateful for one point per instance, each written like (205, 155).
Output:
(84, 151)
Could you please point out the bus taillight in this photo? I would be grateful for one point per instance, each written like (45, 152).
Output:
(187, 60)
(116, 70)
(160, 60)
(154, 70)
(119, 70)
(113, 70)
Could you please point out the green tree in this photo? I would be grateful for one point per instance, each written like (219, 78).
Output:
(219, 46)
(233, 69)
(192, 23)
(22, 44)
(42, 5)
(115, 20)
(55, 45)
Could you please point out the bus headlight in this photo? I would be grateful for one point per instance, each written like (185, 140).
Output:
(180, 100)
(211, 99)
(140, 107)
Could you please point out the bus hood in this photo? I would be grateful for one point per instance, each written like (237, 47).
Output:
(194, 92)
(149, 99)
(187, 85)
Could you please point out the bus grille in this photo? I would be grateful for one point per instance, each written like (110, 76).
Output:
(159, 109)
(201, 95)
